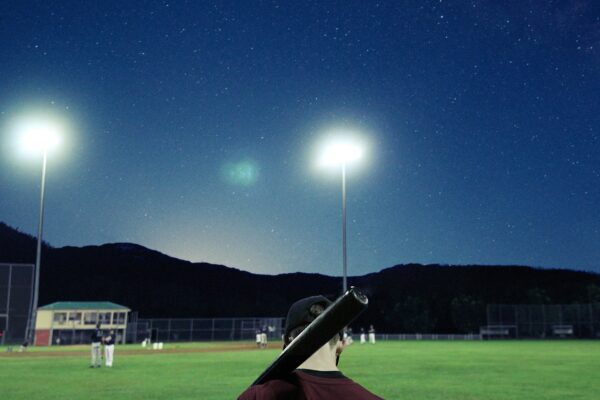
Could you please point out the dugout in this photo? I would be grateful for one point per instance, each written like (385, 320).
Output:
(73, 322)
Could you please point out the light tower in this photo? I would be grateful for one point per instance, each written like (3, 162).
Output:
(38, 135)
(339, 151)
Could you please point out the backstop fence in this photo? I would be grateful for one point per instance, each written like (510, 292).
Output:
(424, 336)
(201, 329)
(542, 321)
(226, 329)
(16, 288)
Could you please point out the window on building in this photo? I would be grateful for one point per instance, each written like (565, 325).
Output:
(104, 317)
(90, 318)
(60, 317)
(119, 318)
(75, 317)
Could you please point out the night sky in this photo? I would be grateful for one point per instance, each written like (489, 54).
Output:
(194, 128)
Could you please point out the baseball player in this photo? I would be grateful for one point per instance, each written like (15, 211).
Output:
(371, 334)
(348, 340)
(263, 337)
(96, 351)
(258, 338)
(363, 336)
(317, 378)
(109, 348)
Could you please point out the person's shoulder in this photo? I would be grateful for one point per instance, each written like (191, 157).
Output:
(314, 382)
(272, 390)
(363, 393)
(252, 393)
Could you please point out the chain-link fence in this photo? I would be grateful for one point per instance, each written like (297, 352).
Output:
(543, 321)
(424, 336)
(202, 329)
(81, 336)
(16, 285)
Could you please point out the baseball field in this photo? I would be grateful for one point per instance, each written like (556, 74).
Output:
(488, 370)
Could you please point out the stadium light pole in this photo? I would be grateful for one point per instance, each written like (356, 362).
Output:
(340, 152)
(38, 135)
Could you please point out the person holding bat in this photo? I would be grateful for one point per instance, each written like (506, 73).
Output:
(317, 376)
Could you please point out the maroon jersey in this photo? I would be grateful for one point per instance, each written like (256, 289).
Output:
(310, 385)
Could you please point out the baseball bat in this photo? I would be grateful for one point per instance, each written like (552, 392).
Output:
(335, 317)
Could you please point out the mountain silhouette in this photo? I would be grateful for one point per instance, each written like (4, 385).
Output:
(403, 298)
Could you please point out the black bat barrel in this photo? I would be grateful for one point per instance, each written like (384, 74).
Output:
(335, 318)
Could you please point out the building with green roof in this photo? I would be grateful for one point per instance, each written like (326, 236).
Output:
(73, 322)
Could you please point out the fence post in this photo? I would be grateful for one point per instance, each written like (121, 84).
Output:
(592, 330)
(516, 321)
(544, 319)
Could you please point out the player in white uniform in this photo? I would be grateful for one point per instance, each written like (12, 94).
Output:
(348, 337)
(371, 334)
(258, 338)
(109, 348)
(263, 337)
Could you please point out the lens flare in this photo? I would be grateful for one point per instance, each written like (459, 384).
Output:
(242, 173)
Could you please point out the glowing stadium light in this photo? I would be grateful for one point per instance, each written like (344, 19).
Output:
(38, 134)
(341, 148)
(341, 151)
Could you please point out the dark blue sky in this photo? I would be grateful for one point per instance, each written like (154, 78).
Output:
(194, 127)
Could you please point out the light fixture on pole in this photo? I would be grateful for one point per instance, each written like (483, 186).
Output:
(340, 151)
(38, 135)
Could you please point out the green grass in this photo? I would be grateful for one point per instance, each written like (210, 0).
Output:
(394, 370)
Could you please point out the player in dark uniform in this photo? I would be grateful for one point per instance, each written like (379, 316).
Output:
(316, 378)
(96, 351)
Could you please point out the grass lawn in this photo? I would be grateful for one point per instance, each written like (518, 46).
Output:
(394, 370)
